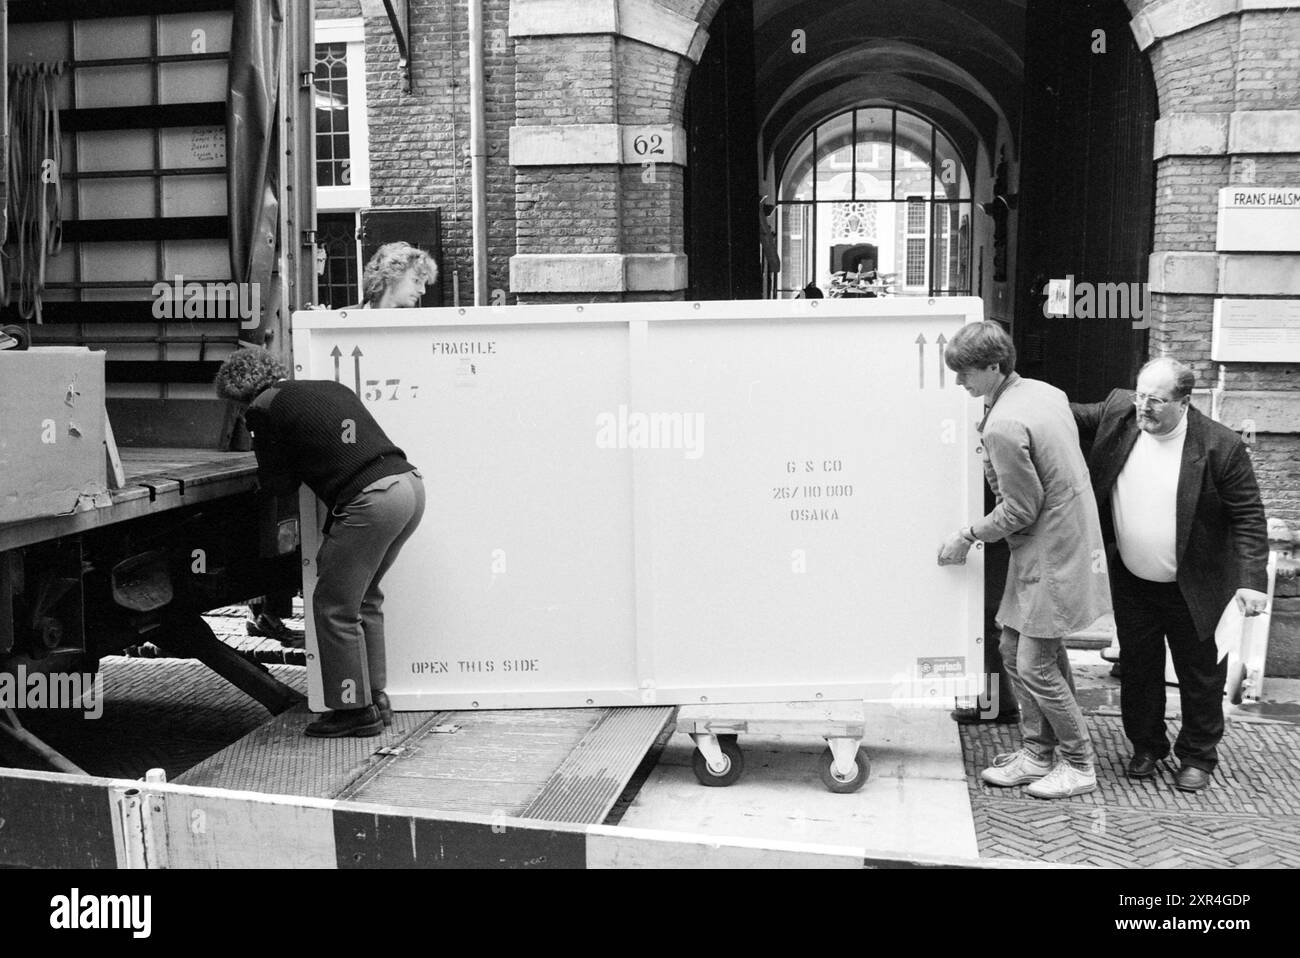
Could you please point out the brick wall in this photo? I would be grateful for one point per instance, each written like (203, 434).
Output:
(1230, 65)
(337, 9)
(1179, 327)
(645, 88)
(571, 209)
(1277, 462)
(565, 80)
(1187, 202)
(652, 219)
(1268, 64)
(1196, 70)
(418, 139)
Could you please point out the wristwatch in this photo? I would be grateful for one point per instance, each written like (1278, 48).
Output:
(968, 533)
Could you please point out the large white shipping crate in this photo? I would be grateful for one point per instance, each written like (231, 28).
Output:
(669, 503)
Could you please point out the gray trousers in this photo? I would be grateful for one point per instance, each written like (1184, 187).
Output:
(347, 604)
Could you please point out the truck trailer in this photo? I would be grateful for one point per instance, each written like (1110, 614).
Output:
(158, 197)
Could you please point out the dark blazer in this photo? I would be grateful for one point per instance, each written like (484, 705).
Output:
(1221, 533)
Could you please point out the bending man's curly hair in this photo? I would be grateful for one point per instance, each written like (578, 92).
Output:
(387, 266)
(246, 372)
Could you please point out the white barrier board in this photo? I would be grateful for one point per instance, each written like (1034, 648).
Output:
(669, 503)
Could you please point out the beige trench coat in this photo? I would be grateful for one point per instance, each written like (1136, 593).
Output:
(1057, 582)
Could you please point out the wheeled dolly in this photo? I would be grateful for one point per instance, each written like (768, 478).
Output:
(718, 760)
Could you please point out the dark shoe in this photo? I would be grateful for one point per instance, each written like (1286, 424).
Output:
(342, 723)
(974, 716)
(380, 698)
(269, 627)
(1142, 765)
(1192, 779)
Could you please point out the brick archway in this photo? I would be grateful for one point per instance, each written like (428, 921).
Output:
(1229, 116)
(598, 147)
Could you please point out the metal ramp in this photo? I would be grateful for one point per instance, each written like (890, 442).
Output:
(562, 765)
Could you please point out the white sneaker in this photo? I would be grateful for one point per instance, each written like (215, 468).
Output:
(1015, 768)
(1063, 781)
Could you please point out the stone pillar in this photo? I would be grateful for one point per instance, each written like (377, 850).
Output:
(1228, 76)
(598, 146)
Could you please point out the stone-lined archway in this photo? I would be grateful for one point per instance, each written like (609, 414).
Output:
(598, 146)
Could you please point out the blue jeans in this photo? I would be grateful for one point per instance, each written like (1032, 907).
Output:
(1050, 716)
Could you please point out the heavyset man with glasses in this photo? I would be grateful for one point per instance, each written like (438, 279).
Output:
(1186, 534)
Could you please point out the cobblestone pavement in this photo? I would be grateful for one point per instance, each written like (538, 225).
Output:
(160, 713)
(1249, 817)
(228, 626)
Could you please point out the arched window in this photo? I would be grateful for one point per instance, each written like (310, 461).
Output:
(881, 197)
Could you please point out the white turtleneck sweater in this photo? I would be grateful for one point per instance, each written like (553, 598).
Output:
(1144, 504)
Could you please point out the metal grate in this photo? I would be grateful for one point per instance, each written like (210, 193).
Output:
(277, 759)
(587, 785)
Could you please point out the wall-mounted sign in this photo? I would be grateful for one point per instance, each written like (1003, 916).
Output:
(1261, 219)
(1256, 331)
(1060, 297)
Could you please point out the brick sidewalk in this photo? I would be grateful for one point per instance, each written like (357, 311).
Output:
(227, 624)
(1248, 818)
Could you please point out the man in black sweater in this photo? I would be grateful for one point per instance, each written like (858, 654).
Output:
(320, 433)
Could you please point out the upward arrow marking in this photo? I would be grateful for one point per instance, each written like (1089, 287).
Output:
(920, 357)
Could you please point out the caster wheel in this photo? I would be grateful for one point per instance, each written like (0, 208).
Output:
(13, 337)
(735, 764)
(839, 783)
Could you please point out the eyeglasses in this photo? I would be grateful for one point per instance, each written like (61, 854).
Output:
(1142, 399)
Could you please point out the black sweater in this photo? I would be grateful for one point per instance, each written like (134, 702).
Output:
(318, 432)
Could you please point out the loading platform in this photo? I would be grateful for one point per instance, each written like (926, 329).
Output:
(555, 765)
(522, 788)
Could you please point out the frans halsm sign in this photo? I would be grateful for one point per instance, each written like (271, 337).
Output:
(1263, 219)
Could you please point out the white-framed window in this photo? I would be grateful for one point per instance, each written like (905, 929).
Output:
(342, 133)
(908, 196)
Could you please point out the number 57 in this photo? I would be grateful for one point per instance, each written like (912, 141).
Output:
(374, 393)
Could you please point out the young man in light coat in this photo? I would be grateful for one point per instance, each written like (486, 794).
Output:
(1057, 581)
